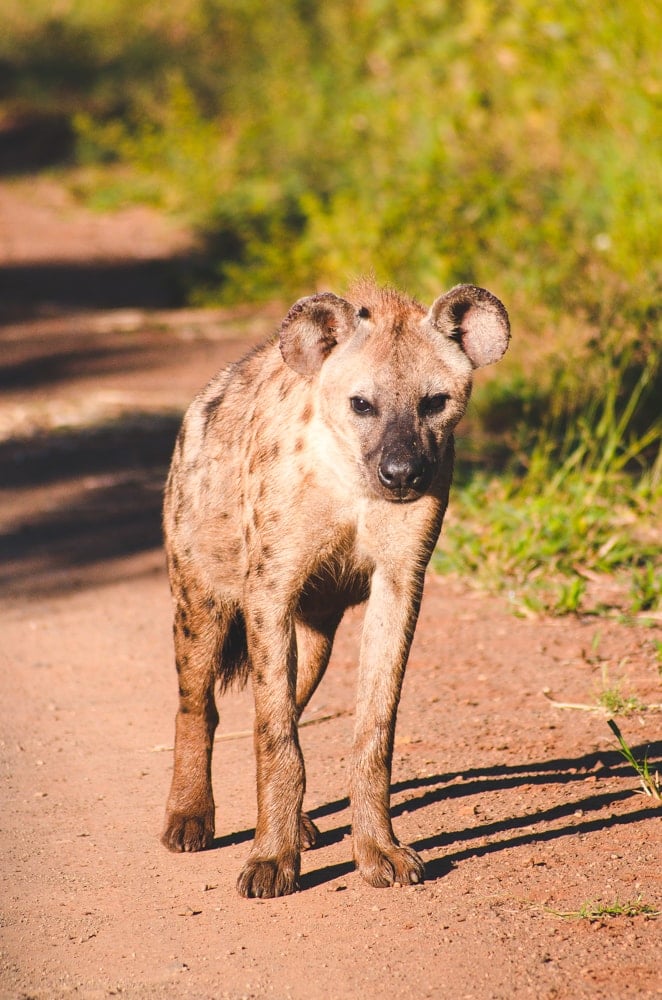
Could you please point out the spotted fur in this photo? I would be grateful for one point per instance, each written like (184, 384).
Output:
(311, 476)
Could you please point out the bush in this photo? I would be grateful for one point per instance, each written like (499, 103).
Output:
(512, 144)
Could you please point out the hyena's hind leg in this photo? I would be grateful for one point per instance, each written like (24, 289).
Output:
(314, 644)
(199, 632)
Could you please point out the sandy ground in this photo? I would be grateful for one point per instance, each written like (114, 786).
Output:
(521, 810)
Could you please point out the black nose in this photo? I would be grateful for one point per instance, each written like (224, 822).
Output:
(402, 473)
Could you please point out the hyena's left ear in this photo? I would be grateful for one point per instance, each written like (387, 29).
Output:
(312, 328)
(476, 319)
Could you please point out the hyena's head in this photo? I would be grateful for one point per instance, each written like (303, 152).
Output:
(393, 379)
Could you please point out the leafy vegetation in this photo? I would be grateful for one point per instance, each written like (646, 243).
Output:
(507, 143)
(511, 144)
(585, 502)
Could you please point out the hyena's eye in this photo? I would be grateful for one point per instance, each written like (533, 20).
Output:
(361, 406)
(433, 404)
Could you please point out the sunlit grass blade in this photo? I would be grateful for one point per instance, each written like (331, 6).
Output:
(650, 782)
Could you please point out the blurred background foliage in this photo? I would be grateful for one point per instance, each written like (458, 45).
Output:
(515, 144)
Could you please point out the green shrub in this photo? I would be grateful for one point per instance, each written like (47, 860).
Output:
(513, 144)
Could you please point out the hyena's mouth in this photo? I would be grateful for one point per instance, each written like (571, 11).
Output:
(403, 496)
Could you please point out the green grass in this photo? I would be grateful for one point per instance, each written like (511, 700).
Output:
(650, 783)
(615, 702)
(584, 504)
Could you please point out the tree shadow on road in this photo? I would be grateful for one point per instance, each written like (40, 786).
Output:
(104, 493)
(50, 288)
(82, 460)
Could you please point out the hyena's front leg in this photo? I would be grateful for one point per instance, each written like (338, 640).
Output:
(387, 633)
(189, 822)
(272, 868)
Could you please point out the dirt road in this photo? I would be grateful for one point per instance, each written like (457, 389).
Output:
(520, 809)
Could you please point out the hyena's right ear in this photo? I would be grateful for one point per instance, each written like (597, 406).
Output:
(476, 319)
(312, 328)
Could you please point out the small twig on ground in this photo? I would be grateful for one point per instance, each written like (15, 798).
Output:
(242, 734)
(598, 911)
(596, 708)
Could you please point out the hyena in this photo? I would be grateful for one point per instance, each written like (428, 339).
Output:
(311, 476)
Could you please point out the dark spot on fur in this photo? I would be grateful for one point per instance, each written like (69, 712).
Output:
(458, 311)
(266, 551)
(184, 709)
(259, 569)
(259, 620)
(274, 451)
(274, 743)
(259, 677)
(187, 632)
(260, 456)
(210, 410)
(307, 412)
(298, 444)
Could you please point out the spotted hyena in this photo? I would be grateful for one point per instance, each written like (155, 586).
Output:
(311, 476)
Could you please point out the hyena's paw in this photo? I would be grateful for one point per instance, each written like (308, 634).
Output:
(265, 878)
(188, 833)
(308, 833)
(382, 868)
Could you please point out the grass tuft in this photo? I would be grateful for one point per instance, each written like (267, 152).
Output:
(650, 783)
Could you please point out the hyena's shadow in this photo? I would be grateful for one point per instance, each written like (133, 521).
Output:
(470, 841)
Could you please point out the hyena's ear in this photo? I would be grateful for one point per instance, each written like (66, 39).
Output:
(476, 319)
(312, 328)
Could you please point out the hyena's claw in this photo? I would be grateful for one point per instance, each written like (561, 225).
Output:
(188, 833)
(397, 864)
(265, 878)
(308, 833)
